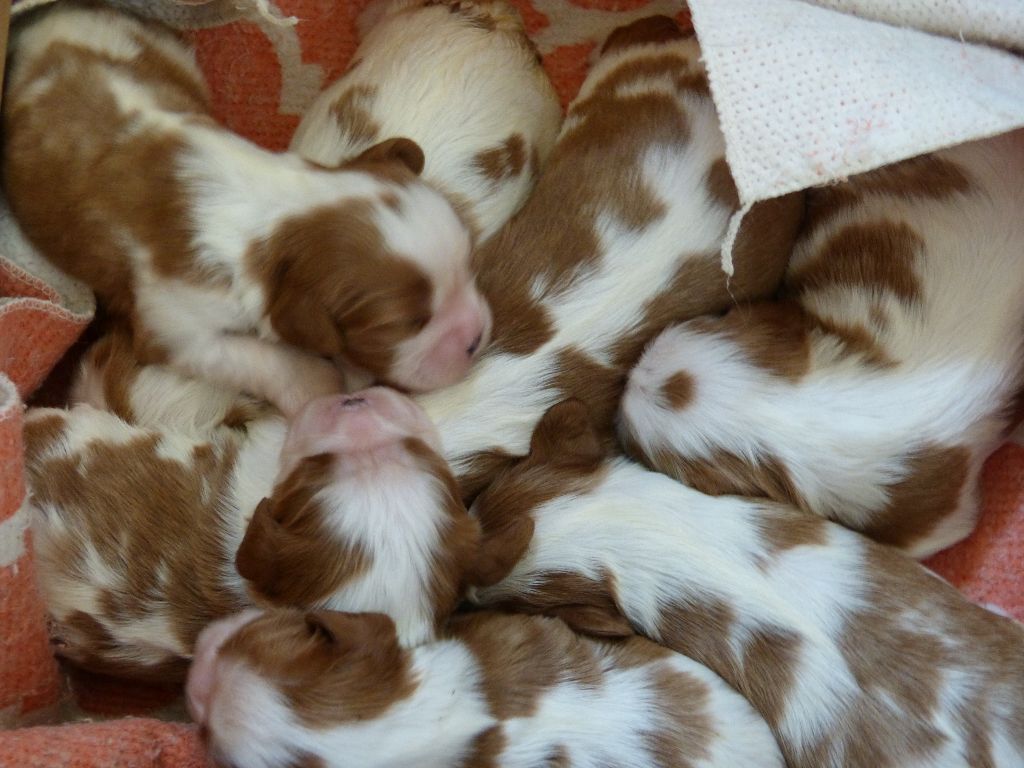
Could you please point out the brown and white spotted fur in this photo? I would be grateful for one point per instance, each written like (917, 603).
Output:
(620, 237)
(230, 262)
(875, 391)
(336, 689)
(462, 80)
(144, 536)
(855, 655)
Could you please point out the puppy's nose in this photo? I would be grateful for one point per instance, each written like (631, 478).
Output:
(475, 345)
(352, 403)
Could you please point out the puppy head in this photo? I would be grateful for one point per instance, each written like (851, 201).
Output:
(263, 683)
(358, 470)
(381, 280)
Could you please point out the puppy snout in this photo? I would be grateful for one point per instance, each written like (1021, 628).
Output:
(353, 403)
(475, 345)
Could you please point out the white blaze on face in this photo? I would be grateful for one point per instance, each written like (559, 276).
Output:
(426, 230)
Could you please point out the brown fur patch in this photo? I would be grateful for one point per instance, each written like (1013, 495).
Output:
(685, 702)
(104, 494)
(721, 186)
(769, 661)
(774, 336)
(879, 256)
(522, 657)
(783, 529)
(353, 114)
(504, 161)
(41, 434)
(331, 667)
(485, 749)
(113, 358)
(677, 390)
(290, 554)
(855, 340)
(333, 287)
(652, 29)
(927, 177)
(929, 492)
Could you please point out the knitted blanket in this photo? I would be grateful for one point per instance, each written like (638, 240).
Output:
(263, 71)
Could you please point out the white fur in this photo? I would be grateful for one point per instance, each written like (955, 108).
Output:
(456, 89)
(662, 543)
(435, 727)
(847, 429)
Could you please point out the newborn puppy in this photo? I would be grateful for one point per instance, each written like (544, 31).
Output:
(873, 395)
(229, 262)
(620, 238)
(137, 530)
(365, 516)
(336, 689)
(112, 378)
(463, 81)
(855, 655)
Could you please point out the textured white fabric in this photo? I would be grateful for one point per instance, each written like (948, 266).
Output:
(810, 94)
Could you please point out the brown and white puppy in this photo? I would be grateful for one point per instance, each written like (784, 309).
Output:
(620, 237)
(137, 530)
(230, 262)
(462, 80)
(854, 654)
(111, 378)
(875, 392)
(322, 688)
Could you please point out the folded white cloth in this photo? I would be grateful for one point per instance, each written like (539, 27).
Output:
(813, 91)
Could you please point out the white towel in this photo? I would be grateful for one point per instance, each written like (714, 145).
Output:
(811, 92)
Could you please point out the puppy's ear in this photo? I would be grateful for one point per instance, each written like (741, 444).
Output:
(594, 620)
(500, 550)
(401, 150)
(256, 558)
(352, 631)
(305, 324)
(566, 436)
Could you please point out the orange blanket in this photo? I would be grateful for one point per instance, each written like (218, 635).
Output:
(261, 76)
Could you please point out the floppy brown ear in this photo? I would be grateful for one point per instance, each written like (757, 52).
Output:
(500, 549)
(565, 435)
(305, 324)
(353, 630)
(255, 559)
(402, 150)
(594, 620)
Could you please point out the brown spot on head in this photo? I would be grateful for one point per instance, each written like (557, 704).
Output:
(290, 555)
(931, 490)
(334, 288)
(331, 667)
(653, 29)
(677, 390)
(504, 161)
(353, 114)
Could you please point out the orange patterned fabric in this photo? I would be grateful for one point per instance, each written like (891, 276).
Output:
(261, 77)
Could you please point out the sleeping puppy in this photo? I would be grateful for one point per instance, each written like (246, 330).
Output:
(874, 393)
(322, 688)
(138, 531)
(229, 262)
(854, 654)
(620, 237)
(463, 81)
(111, 378)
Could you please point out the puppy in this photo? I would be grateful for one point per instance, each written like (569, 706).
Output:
(323, 688)
(620, 238)
(138, 530)
(874, 393)
(230, 262)
(464, 82)
(855, 655)
(111, 378)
